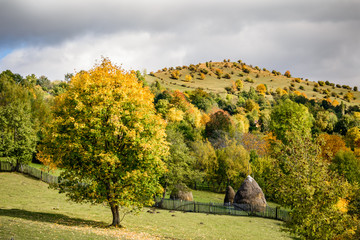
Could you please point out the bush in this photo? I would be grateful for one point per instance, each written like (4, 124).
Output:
(218, 72)
(276, 73)
(346, 87)
(204, 71)
(287, 74)
(321, 83)
(249, 80)
(355, 88)
(245, 69)
(202, 76)
(192, 68)
(349, 96)
(302, 88)
(188, 78)
(227, 76)
(175, 74)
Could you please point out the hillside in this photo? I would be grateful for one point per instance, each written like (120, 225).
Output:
(216, 76)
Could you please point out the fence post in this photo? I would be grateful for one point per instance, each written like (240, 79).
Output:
(276, 209)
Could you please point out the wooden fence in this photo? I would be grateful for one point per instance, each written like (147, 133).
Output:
(31, 171)
(215, 208)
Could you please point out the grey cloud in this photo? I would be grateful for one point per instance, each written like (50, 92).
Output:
(311, 38)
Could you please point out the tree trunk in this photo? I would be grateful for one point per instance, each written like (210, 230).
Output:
(116, 216)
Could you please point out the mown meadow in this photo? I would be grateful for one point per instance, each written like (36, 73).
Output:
(30, 210)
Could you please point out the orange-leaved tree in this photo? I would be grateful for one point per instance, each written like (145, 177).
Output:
(108, 139)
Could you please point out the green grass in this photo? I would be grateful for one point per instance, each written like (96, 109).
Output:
(29, 210)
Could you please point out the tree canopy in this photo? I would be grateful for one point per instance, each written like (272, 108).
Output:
(109, 140)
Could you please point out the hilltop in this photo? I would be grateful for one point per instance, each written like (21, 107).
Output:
(219, 77)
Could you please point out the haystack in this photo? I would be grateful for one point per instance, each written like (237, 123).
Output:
(229, 196)
(250, 197)
(181, 192)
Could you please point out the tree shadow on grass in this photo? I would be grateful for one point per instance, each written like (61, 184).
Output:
(50, 218)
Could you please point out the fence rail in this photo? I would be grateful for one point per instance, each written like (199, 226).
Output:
(215, 208)
(179, 205)
(34, 172)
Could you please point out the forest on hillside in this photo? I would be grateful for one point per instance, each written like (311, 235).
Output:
(303, 152)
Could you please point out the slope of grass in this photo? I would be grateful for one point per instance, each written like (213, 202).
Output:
(29, 210)
(212, 83)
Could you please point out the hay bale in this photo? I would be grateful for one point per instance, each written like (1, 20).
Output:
(181, 192)
(229, 196)
(250, 197)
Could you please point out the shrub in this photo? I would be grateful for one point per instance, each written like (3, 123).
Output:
(202, 76)
(338, 85)
(261, 89)
(316, 85)
(346, 87)
(249, 80)
(175, 74)
(192, 67)
(287, 74)
(245, 69)
(327, 83)
(152, 74)
(227, 76)
(349, 96)
(188, 78)
(204, 71)
(218, 72)
(298, 80)
(321, 83)
(355, 88)
(301, 87)
(239, 85)
(276, 73)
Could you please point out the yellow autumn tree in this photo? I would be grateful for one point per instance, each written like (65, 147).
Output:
(109, 140)
(175, 74)
(261, 89)
(188, 78)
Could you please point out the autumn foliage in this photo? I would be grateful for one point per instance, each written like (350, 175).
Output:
(108, 139)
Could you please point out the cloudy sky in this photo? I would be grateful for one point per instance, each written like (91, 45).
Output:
(315, 39)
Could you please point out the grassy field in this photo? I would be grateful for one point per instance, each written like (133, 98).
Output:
(211, 83)
(29, 210)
